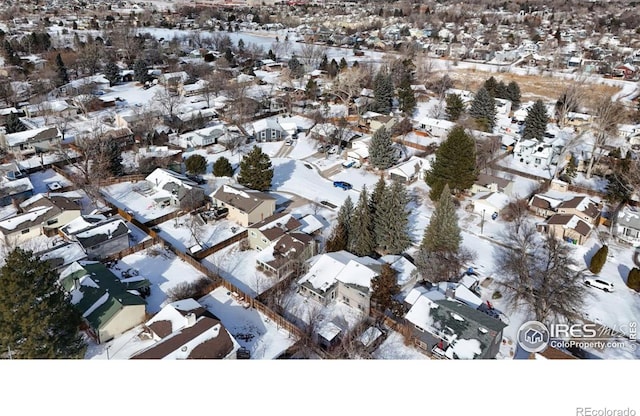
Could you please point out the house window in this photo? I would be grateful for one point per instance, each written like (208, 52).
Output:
(345, 299)
(418, 328)
(264, 240)
(631, 233)
(360, 307)
(273, 134)
(333, 295)
(25, 231)
(253, 233)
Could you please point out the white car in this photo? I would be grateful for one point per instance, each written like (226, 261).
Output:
(288, 142)
(599, 283)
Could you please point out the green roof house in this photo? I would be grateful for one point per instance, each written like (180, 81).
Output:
(109, 306)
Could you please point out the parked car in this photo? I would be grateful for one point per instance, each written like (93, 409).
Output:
(344, 185)
(599, 283)
(333, 149)
(323, 148)
(288, 142)
(348, 163)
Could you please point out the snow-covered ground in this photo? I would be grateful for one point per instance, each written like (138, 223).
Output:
(125, 196)
(182, 233)
(394, 348)
(239, 268)
(253, 331)
(162, 268)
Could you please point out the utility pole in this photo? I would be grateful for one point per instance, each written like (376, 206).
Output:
(482, 223)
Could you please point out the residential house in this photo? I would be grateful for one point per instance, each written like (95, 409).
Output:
(31, 141)
(104, 238)
(544, 206)
(109, 305)
(537, 152)
(173, 80)
(264, 233)
(628, 225)
(491, 183)
(490, 203)
(202, 137)
(268, 130)
(63, 255)
(382, 120)
(340, 276)
(197, 88)
(626, 71)
(57, 108)
(568, 227)
(5, 112)
(14, 184)
(172, 188)
(121, 135)
(246, 206)
(40, 215)
(583, 207)
(450, 328)
(406, 272)
(409, 171)
(435, 127)
(186, 330)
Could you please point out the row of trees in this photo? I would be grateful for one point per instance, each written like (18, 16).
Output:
(379, 222)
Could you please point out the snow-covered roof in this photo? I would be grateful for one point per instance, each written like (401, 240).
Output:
(496, 200)
(411, 167)
(404, 268)
(43, 133)
(31, 216)
(419, 314)
(161, 177)
(266, 123)
(310, 224)
(369, 336)
(329, 331)
(464, 349)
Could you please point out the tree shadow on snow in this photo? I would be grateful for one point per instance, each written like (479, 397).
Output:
(282, 173)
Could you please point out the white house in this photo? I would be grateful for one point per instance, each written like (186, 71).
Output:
(268, 130)
(628, 225)
(202, 137)
(410, 171)
(31, 141)
(537, 153)
(490, 203)
(436, 127)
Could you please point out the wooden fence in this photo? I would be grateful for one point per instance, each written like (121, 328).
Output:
(133, 249)
(217, 247)
(166, 217)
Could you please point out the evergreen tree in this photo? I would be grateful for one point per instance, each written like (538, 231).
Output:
(382, 154)
(343, 64)
(361, 237)
(491, 85)
(338, 240)
(618, 188)
(37, 319)
(570, 170)
(384, 288)
(535, 124)
(345, 215)
(443, 232)
(271, 55)
(333, 68)
(63, 76)
(406, 97)
(599, 259)
(222, 167)
(228, 54)
(391, 220)
(10, 54)
(377, 196)
(241, 46)
(501, 90)
(513, 94)
(14, 124)
(140, 71)
(115, 159)
(112, 73)
(383, 93)
(311, 89)
(483, 109)
(633, 279)
(324, 63)
(196, 164)
(295, 67)
(455, 107)
(256, 171)
(455, 163)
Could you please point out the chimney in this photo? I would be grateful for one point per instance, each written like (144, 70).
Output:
(191, 319)
(76, 283)
(450, 292)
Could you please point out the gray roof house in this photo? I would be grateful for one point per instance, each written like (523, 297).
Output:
(31, 141)
(452, 329)
(628, 225)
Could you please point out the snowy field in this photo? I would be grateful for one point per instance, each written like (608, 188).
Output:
(253, 331)
(239, 268)
(48, 181)
(126, 197)
(394, 348)
(182, 233)
(162, 268)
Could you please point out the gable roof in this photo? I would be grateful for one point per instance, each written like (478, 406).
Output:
(572, 222)
(277, 225)
(34, 135)
(485, 180)
(582, 204)
(34, 217)
(329, 268)
(102, 232)
(97, 293)
(267, 123)
(63, 255)
(241, 198)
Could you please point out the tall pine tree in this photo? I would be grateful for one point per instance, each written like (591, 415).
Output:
(256, 171)
(535, 124)
(361, 238)
(391, 222)
(483, 110)
(377, 195)
(384, 287)
(112, 73)
(14, 124)
(63, 76)
(383, 93)
(513, 94)
(406, 96)
(341, 236)
(455, 164)
(455, 107)
(382, 154)
(37, 319)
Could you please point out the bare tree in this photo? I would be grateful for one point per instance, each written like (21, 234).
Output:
(240, 108)
(169, 101)
(569, 101)
(608, 114)
(311, 55)
(540, 276)
(348, 84)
